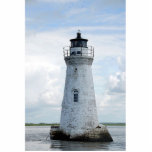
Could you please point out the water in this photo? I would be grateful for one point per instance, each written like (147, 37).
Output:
(35, 140)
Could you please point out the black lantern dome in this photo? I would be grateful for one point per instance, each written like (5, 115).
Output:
(78, 41)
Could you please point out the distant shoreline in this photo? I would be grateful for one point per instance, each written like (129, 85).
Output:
(56, 124)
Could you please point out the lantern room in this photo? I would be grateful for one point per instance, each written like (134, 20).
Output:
(79, 41)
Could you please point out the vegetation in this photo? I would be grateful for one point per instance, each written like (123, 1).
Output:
(41, 124)
(114, 124)
(57, 124)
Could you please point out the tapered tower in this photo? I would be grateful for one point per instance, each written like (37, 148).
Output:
(79, 113)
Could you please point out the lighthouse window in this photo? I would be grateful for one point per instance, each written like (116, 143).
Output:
(78, 52)
(75, 96)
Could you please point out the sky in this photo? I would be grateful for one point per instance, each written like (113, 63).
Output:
(50, 24)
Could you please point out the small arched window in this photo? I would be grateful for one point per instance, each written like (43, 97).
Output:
(75, 95)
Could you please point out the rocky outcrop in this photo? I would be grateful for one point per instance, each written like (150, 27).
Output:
(100, 133)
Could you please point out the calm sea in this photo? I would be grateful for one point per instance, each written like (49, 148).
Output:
(36, 140)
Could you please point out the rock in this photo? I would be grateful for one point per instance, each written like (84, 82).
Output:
(100, 134)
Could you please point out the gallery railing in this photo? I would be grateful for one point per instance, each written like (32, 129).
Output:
(89, 51)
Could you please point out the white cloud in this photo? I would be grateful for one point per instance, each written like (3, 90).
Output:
(112, 101)
(117, 83)
(43, 84)
(111, 107)
(122, 62)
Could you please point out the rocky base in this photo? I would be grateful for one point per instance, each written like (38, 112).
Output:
(98, 134)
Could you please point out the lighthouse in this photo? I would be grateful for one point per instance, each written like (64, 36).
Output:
(79, 112)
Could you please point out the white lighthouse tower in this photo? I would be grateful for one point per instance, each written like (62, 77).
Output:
(79, 106)
(79, 113)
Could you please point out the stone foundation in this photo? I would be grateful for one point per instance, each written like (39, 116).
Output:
(97, 134)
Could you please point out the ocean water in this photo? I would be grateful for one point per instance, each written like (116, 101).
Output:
(37, 139)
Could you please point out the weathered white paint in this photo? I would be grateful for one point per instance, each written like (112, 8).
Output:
(78, 117)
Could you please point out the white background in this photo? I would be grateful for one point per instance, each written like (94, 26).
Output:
(139, 75)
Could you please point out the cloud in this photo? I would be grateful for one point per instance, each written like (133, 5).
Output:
(122, 63)
(111, 107)
(43, 84)
(111, 100)
(117, 83)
